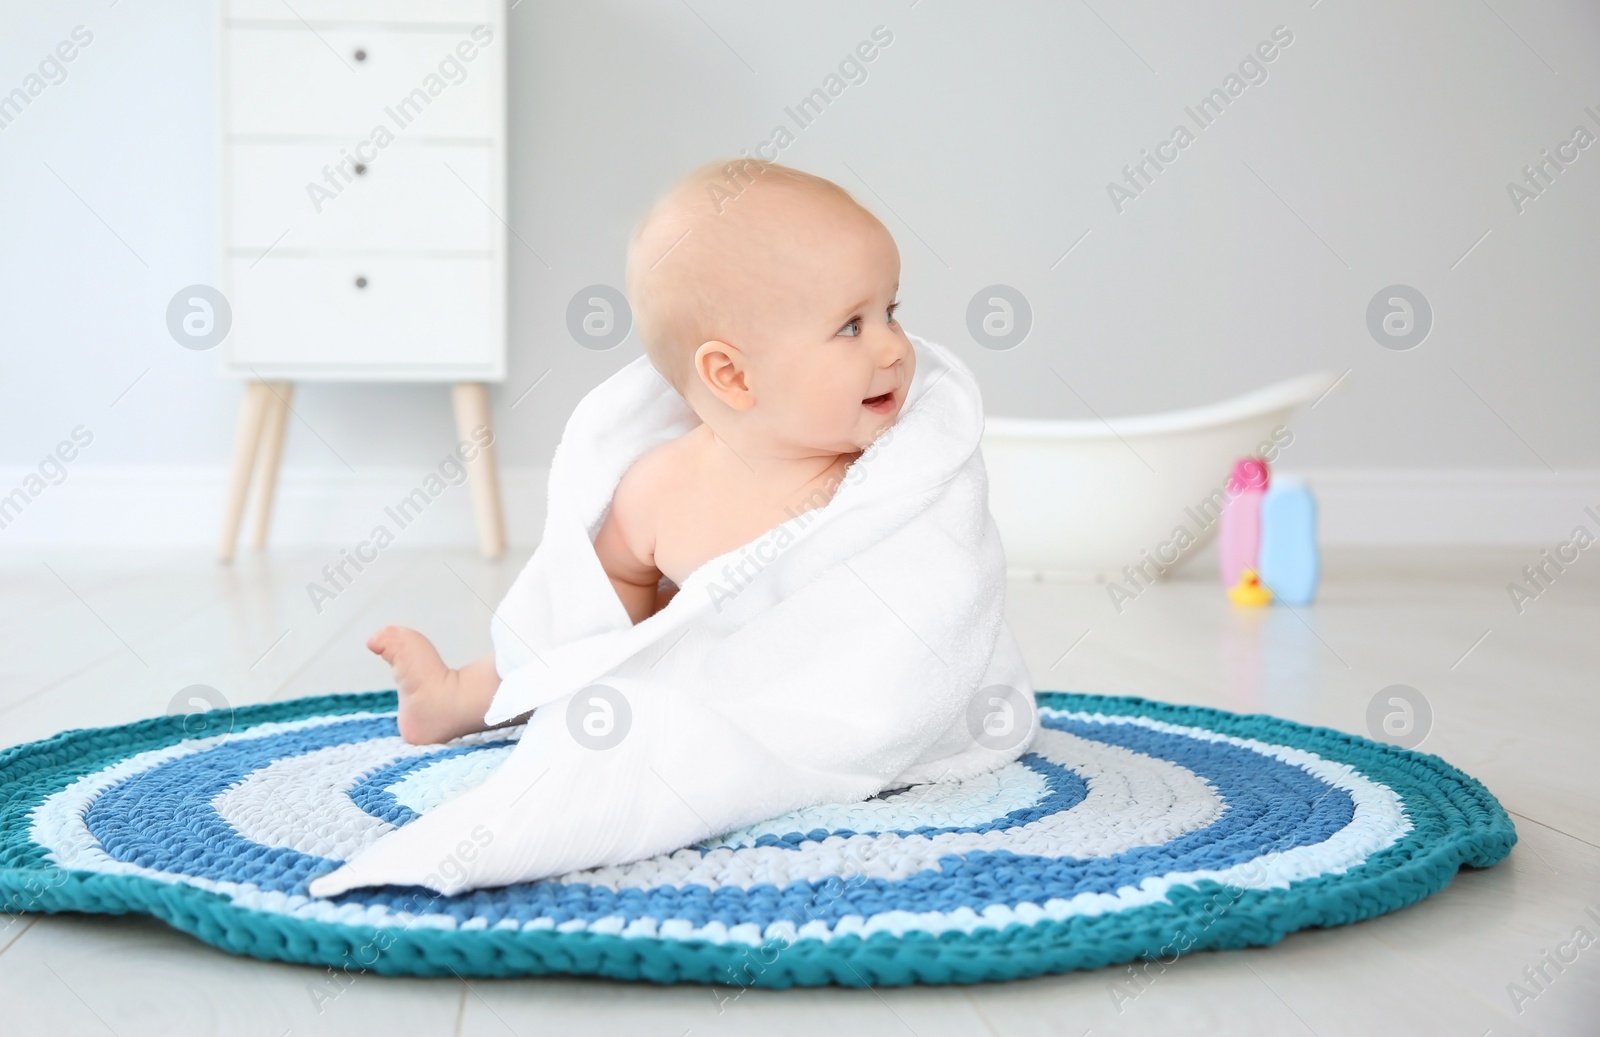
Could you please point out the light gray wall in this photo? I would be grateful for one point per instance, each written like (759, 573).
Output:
(1376, 152)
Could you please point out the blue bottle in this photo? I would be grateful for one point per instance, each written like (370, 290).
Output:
(1289, 564)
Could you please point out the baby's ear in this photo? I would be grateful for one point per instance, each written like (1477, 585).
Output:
(721, 368)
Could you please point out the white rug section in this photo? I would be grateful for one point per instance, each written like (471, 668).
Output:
(303, 802)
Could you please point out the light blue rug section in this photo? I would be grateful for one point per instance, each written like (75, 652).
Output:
(1132, 829)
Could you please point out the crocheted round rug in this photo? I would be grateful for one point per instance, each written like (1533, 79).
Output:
(1132, 829)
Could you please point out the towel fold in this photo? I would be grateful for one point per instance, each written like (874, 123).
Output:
(856, 648)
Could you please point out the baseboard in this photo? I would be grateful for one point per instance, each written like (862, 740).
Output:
(181, 507)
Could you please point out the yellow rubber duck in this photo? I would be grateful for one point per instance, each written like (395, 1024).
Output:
(1249, 590)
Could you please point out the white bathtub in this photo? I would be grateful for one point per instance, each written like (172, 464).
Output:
(1083, 499)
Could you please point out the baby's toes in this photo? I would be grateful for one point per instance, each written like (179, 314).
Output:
(385, 642)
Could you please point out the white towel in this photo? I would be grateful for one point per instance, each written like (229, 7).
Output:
(855, 648)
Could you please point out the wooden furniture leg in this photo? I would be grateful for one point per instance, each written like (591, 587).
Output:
(270, 453)
(471, 401)
(246, 437)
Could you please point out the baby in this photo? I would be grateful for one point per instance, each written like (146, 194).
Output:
(766, 297)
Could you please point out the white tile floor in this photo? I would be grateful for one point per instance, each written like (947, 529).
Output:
(92, 640)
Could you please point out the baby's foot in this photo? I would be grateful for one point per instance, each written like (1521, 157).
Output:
(429, 706)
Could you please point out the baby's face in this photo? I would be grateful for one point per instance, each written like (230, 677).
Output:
(829, 364)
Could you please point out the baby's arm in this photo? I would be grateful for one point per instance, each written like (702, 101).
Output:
(625, 546)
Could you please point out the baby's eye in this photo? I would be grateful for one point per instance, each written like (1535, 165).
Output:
(851, 329)
(892, 308)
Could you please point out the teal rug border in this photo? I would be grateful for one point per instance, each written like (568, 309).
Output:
(1457, 822)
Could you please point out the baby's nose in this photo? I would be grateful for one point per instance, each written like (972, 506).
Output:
(894, 349)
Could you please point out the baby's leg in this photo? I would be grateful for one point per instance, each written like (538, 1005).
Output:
(436, 702)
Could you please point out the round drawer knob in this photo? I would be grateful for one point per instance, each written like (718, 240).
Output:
(361, 282)
(361, 170)
(360, 54)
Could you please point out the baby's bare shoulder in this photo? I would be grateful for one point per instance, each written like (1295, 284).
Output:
(656, 469)
(657, 478)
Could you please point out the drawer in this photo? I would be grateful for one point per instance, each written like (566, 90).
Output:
(407, 12)
(346, 81)
(309, 313)
(406, 197)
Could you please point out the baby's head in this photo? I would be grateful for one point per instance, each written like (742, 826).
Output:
(766, 296)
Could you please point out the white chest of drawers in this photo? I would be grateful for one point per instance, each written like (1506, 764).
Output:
(361, 201)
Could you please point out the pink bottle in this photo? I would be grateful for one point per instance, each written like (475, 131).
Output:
(1239, 529)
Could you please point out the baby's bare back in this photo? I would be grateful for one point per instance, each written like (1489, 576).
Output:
(709, 502)
(690, 500)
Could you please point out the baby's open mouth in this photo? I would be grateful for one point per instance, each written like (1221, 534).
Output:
(882, 404)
